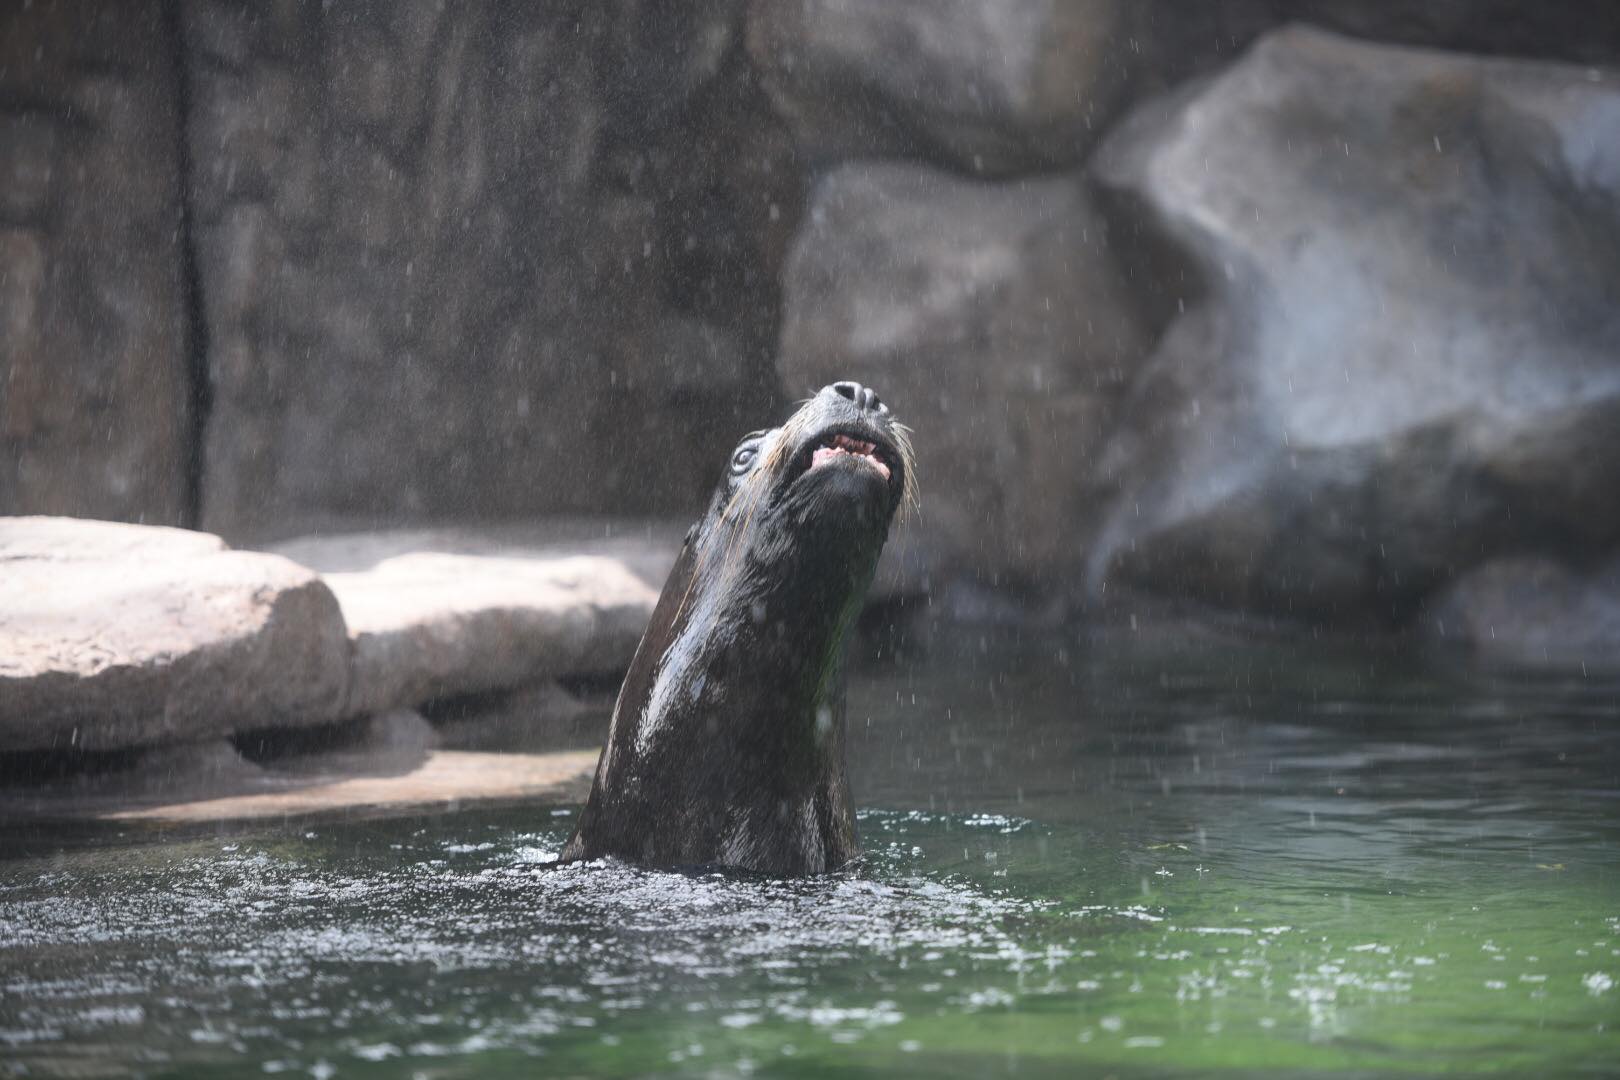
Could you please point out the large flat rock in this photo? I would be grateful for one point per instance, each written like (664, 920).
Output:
(384, 764)
(114, 636)
(445, 778)
(440, 613)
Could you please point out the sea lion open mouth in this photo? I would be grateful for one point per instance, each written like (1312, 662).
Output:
(853, 446)
(835, 445)
(726, 746)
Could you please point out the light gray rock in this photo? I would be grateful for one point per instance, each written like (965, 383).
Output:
(1394, 349)
(117, 636)
(1533, 614)
(647, 546)
(993, 86)
(992, 319)
(443, 614)
(95, 413)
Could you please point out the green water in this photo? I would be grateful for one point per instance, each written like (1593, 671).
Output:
(1081, 860)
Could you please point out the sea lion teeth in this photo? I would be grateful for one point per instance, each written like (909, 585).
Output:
(827, 454)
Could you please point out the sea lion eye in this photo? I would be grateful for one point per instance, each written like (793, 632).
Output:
(743, 459)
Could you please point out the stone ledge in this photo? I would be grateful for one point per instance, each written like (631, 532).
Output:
(447, 612)
(445, 777)
(115, 636)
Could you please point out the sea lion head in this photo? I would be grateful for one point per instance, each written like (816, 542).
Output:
(807, 506)
(726, 745)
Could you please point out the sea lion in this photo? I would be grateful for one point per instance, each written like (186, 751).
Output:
(727, 741)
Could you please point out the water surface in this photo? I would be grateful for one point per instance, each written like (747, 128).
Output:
(1079, 857)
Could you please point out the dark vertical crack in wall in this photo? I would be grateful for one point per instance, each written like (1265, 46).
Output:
(200, 399)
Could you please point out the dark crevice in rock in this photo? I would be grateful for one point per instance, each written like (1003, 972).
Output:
(268, 746)
(29, 768)
(200, 396)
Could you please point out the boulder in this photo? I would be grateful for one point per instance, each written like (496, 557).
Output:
(95, 386)
(1533, 614)
(442, 614)
(1393, 349)
(989, 86)
(430, 292)
(116, 636)
(991, 318)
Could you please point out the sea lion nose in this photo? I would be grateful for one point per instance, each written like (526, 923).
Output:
(864, 397)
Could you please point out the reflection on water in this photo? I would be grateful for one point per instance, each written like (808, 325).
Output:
(1155, 863)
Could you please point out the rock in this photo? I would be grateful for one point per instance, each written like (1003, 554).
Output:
(372, 765)
(444, 780)
(95, 414)
(1174, 42)
(1015, 86)
(646, 545)
(991, 318)
(429, 293)
(1394, 350)
(1534, 614)
(539, 717)
(661, 56)
(390, 743)
(118, 636)
(728, 187)
(1572, 30)
(60, 785)
(990, 86)
(467, 613)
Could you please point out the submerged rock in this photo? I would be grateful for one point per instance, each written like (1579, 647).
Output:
(991, 318)
(1394, 349)
(1533, 613)
(116, 636)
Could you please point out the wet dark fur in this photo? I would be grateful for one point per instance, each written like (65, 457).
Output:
(727, 744)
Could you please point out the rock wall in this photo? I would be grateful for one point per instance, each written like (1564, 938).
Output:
(95, 386)
(437, 283)
(1279, 319)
